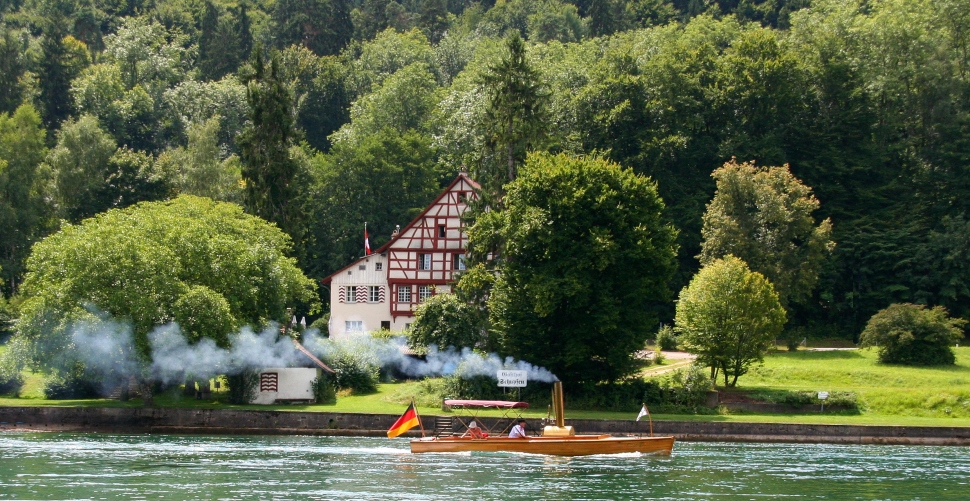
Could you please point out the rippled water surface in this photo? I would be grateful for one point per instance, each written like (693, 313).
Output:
(48, 466)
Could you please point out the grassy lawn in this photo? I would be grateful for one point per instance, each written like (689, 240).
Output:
(884, 391)
(888, 395)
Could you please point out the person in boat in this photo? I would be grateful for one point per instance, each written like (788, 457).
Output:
(518, 431)
(474, 431)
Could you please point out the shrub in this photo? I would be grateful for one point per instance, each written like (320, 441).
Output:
(324, 390)
(355, 371)
(841, 399)
(687, 388)
(243, 387)
(666, 338)
(911, 334)
(473, 387)
(10, 378)
(71, 385)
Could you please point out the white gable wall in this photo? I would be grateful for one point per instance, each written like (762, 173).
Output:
(291, 384)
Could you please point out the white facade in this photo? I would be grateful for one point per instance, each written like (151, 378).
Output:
(285, 384)
(382, 290)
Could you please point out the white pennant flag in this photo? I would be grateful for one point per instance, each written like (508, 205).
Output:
(643, 412)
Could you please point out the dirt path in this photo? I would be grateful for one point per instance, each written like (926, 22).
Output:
(674, 360)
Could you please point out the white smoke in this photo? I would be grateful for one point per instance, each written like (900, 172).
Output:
(107, 347)
(390, 353)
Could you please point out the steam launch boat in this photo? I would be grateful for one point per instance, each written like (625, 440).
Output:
(556, 440)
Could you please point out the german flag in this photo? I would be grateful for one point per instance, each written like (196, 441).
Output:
(404, 423)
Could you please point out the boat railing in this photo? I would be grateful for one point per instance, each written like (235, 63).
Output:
(467, 411)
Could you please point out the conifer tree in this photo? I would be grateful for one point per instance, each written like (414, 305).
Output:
(516, 119)
(268, 171)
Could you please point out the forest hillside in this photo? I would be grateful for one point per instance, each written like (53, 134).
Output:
(319, 115)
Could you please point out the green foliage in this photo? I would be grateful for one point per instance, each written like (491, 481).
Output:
(444, 320)
(80, 164)
(729, 317)
(627, 395)
(687, 388)
(401, 102)
(476, 387)
(515, 120)
(385, 180)
(154, 263)
(911, 334)
(72, 384)
(268, 170)
(324, 391)
(11, 377)
(586, 259)
(322, 26)
(191, 103)
(242, 387)
(666, 338)
(24, 209)
(764, 217)
(199, 169)
(356, 371)
(12, 67)
(847, 400)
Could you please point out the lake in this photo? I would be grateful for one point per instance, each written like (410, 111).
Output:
(75, 466)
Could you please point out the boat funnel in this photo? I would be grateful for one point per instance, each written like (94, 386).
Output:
(558, 406)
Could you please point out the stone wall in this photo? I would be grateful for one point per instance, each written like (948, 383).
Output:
(257, 422)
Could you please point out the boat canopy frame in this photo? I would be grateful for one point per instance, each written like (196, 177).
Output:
(467, 411)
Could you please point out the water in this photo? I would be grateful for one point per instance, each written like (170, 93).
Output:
(56, 466)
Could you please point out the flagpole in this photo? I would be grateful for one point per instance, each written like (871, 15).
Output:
(415, 407)
(649, 417)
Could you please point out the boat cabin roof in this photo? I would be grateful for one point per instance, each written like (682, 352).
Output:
(486, 404)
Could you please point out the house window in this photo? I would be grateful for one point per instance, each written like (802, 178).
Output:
(373, 294)
(351, 293)
(458, 262)
(378, 266)
(354, 326)
(385, 325)
(362, 267)
(404, 293)
(442, 231)
(424, 261)
(424, 292)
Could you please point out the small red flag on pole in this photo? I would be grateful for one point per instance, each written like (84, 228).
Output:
(366, 241)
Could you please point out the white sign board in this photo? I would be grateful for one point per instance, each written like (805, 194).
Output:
(512, 379)
(822, 395)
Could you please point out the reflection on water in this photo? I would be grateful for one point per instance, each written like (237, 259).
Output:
(88, 466)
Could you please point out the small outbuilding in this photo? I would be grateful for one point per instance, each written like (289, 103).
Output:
(279, 385)
(290, 384)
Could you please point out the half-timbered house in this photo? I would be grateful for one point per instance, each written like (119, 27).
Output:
(381, 290)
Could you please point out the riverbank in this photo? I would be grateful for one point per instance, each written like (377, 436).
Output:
(258, 422)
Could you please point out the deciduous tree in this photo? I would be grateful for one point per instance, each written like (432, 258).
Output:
(586, 258)
(764, 217)
(153, 264)
(729, 316)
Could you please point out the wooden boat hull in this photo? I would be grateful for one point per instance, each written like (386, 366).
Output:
(579, 445)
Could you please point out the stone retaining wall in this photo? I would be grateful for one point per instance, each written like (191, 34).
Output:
(256, 422)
